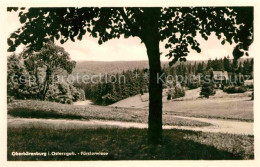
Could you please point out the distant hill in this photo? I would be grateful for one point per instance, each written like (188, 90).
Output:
(96, 67)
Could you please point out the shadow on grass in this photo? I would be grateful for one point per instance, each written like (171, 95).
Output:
(35, 113)
(120, 144)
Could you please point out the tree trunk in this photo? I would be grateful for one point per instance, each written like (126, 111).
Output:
(46, 84)
(155, 92)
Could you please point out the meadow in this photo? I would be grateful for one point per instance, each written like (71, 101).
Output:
(222, 105)
(44, 109)
(116, 142)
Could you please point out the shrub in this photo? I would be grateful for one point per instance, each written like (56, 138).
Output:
(108, 99)
(207, 90)
(81, 95)
(235, 89)
(193, 82)
(179, 92)
(64, 93)
(69, 101)
(170, 93)
(169, 97)
(175, 92)
(10, 99)
(250, 86)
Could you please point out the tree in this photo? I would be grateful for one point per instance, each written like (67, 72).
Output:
(227, 64)
(178, 26)
(200, 68)
(252, 68)
(52, 59)
(15, 72)
(207, 89)
(240, 68)
(217, 65)
(247, 68)
(193, 82)
(175, 92)
(209, 64)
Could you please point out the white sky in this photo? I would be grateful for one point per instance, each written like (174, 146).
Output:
(128, 49)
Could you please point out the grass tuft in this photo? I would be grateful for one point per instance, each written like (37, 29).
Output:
(37, 113)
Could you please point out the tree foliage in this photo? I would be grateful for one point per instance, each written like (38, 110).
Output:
(34, 75)
(15, 71)
(207, 89)
(52, 60)
(178, 26)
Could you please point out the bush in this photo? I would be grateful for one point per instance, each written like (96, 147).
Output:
(235, 89)
(169, 97)
(108, 99)
(64, 93)
(81, 95)
(193, 82)
(69, 101)
(207, 90)
(179, 92)
(175, 92)
(250, 86)
(10, 99)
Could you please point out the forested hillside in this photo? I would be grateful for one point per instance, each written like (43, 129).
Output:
(96, 67)
(115, 85)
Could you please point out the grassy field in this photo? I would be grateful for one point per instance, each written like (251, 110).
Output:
(228, 108)
(222, 105)
(43, 109)
(127, 144)
(118, 143)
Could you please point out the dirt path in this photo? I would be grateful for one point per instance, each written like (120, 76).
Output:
(223, 126)
(219, 126)
(85, 103)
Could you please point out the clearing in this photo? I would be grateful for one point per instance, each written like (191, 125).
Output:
(222, 105)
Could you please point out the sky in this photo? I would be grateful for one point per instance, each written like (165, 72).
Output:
(130, 49)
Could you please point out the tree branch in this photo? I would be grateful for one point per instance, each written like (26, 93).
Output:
(134, 29)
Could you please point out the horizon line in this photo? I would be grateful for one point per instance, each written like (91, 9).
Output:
(147, 60)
